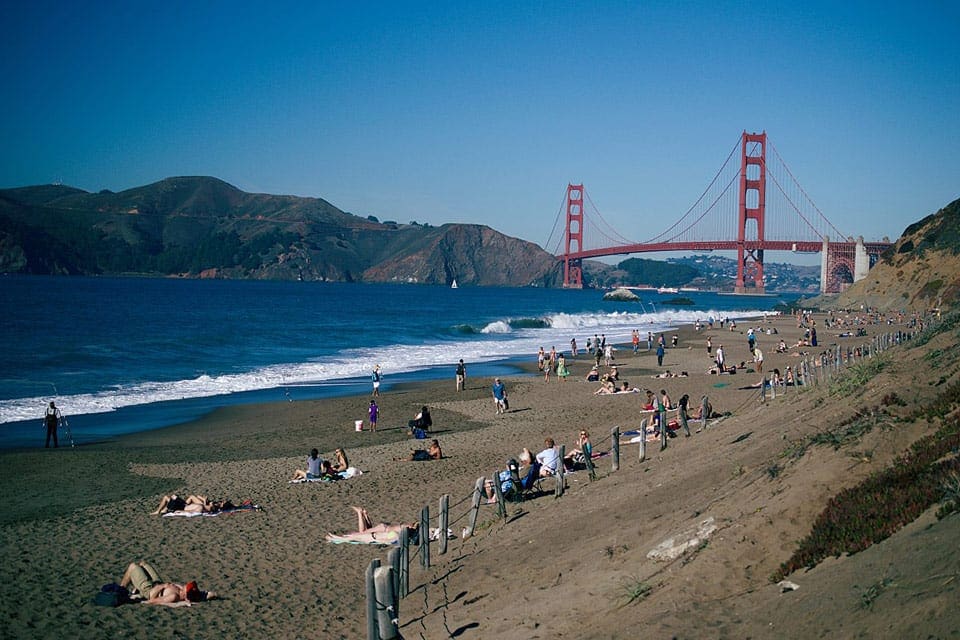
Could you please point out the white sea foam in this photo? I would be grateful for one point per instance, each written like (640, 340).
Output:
(500, 341)
(500, 326)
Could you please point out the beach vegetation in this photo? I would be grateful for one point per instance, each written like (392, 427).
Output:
(856, 376)
(635, 590)
(950, 498)
(884, 502)
(848, 432)
(873, 592)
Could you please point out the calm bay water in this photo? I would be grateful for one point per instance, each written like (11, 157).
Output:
(126, 354)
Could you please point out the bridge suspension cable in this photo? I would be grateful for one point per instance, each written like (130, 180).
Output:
(663, 237)
(555, 249)
(786, 167)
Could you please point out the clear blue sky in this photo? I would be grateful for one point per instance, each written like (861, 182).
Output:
(484, 111)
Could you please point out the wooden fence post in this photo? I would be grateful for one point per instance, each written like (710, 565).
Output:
(387, 611)
(558, 490)
(425, 537)
(443, 521)
(393, 559)
(498, 491)
(372, 629)
(615, 448)
(404, 562)
(475, 506)
(642, 454)
(663, 426)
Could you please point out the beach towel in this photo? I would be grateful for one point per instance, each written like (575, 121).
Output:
(383, 539)
(191, 514)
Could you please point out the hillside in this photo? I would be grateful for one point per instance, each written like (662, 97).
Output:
(921, 271)
(204, 227)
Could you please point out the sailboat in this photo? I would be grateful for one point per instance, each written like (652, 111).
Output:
(454, 285)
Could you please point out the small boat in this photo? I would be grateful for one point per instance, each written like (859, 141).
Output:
(667, 290)
(454, 285)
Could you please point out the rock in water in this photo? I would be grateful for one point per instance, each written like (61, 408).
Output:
(622, 295)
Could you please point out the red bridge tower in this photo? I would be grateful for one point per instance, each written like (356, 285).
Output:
(573, 267)
(753, 183)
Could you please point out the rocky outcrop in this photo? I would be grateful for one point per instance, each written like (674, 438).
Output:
(621, 295)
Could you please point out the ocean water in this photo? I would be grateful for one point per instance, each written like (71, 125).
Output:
(126, 354)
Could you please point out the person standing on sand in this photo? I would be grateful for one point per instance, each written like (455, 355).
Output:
(541, 359)
(377, 375)
(758, 359)
(461, 375)
(709, 346)
(374, 413)
(660, 354)
(500, 396)
(52, 421)
(573, 347)
(720, 359)
(562, 371)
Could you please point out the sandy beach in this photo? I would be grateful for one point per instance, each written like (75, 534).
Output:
(555, 568)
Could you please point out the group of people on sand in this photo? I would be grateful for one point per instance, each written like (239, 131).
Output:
(321, 469)
(542, 465)
(191, 504)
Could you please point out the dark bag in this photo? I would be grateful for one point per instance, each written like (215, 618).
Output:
(112, 595)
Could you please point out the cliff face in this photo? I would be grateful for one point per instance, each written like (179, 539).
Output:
(204, 227)
(921, 270)
(473, 255)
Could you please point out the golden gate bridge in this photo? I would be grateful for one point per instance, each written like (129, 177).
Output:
(749, 207)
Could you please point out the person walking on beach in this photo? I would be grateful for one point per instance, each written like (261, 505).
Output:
(635, 338)
(374, 413)
(562, 371)
(709, 346)
(660, 353)
(52, 421)
(649, 340)
(377, 375)
(541, 359)
(720, 359)
(461, 375)
(500, 396)
(573, 347)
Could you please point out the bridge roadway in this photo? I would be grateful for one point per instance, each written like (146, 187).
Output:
(720, 245)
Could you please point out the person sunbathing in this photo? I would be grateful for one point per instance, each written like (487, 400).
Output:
(367, 532)
(605, 388)
(173, 502)
(433, 452)
(141, 578)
